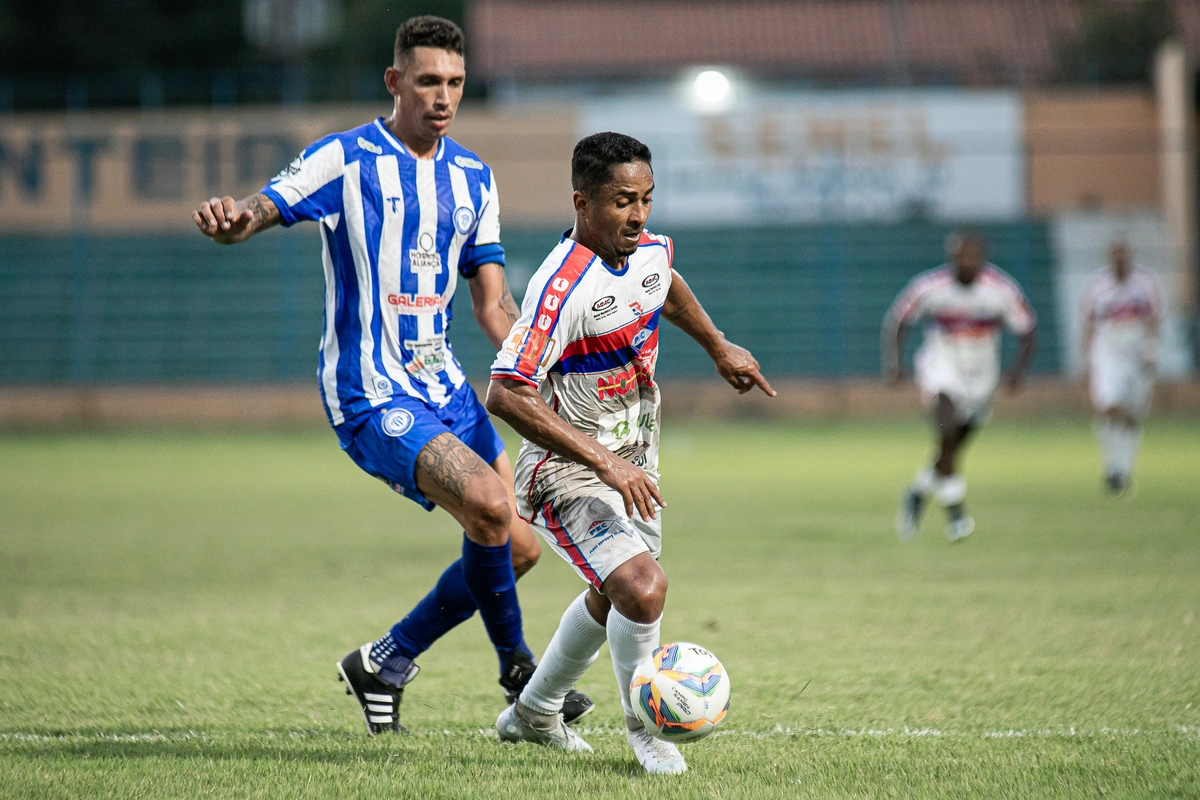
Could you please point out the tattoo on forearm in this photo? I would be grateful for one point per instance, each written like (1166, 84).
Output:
(450, 465)
(508, 305)
(263, 210)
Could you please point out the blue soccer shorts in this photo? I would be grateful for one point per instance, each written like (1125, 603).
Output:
(385, 441)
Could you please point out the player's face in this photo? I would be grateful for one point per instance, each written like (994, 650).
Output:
(1120, 261)
(968, 260)
(428, 87)
(616, 216)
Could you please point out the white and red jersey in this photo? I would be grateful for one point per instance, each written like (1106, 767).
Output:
(963, 322)
(1125, 314)
(588, 340)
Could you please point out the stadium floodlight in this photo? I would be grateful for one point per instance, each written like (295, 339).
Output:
(711, 90)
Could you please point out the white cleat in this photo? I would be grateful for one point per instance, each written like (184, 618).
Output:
(656, 756)
(513, 726)
(959, 528)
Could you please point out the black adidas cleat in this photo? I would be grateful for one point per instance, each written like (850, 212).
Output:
(517, 673)
(380, 700)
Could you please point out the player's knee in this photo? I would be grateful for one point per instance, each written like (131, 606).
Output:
(642, 600)
(525, 554)
(488, 514)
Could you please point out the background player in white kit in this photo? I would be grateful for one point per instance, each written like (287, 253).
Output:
(576, 379)
(964, 304)
(1122, 322)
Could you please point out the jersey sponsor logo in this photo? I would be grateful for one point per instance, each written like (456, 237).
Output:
(428, 355)
(645, 421)
(416, 303)
(605, 307)
(651, 283)
(290, 169)
(425, 261)
(369, 146)
(547, 345)
(640, 338)
(468, 163)
(397, 422)
(464, 218)
(623, 381)
(383, 385)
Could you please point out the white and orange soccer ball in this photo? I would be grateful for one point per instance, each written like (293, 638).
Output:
(680, 693)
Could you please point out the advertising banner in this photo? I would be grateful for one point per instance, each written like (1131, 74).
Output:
(829, 155)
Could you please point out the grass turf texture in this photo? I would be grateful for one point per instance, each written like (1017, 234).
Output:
(171, 607)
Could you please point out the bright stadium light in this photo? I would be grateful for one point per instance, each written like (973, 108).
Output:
(711, 88)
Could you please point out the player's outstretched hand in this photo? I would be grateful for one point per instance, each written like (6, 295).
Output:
(220, 219)
(635, 486)
(741, 370)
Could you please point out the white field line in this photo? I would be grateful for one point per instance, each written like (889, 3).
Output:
(778, 732)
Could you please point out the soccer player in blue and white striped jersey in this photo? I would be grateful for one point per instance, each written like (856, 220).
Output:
(405, 212)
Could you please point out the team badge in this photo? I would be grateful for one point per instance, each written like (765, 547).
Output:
(397, 422)
(464, 218)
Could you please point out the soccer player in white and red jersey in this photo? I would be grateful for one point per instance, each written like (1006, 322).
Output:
(576, 379)
(965, 304)
(1122, 324)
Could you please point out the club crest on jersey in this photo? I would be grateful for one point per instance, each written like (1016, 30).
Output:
(397, 422)
(464, 218)
(636, 308)
(640, 338)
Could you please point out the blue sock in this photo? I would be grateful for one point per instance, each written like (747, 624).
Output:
(448, 604)
(488, 573)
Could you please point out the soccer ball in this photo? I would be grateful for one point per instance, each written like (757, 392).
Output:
(680, 693)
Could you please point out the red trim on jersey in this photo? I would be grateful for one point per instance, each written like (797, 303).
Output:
(963, 325)
(555, 526)
(613, 340)
(513, 375)
(537, 338)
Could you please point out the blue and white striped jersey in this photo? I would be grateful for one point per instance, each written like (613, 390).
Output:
(397, 233)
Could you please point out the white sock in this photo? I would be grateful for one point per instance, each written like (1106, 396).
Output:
(925, 482)
(1110, 446)
(952, 490)
(573, 649)
(1131, 442)
(629, 643)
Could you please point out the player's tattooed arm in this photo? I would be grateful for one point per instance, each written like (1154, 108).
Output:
(445, 468)
(492, 302)
(226, 221)
(735, 364)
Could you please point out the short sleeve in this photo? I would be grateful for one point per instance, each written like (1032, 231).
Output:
(1018, 314)
(548, 320)
(908, 305)
(483, 245)
(310, 188)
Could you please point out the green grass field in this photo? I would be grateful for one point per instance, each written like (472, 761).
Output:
(171, 607)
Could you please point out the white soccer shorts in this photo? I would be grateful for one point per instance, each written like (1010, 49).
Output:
(971, 394)
(1121, 383)
(592, 533)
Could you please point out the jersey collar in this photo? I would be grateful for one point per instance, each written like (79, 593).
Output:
(567, 234)
(398, 145)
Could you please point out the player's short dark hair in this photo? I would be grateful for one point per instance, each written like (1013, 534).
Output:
(428, 31)
(596, 155)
